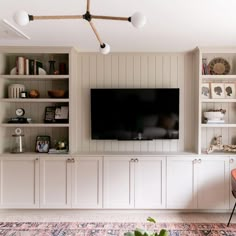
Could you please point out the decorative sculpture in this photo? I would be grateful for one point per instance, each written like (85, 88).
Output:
(217, 145)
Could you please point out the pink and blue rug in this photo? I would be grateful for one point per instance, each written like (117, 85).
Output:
(111, 229)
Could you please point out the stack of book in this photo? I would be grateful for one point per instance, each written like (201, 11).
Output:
(26, 66)
(57, 151)
(214, 121)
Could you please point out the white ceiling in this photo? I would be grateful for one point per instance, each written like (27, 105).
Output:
(172, 25)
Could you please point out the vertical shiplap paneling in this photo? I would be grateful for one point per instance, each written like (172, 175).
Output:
(100, 84)
(129, 84)
(107, 84)
(85, 100)
(137, 84)
(152, 84)
(166, 84)
(79, 104)
(174, 84)
(224, 131)
(159, 84)
(122, 84)
(144, 84)
(187, 101)
(93, 84)
(114, 84)
(134, 70)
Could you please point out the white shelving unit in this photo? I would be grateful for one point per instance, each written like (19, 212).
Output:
(206, 132)
(35, 107)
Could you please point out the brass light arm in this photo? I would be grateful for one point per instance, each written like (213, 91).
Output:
(96, 33)
(111, 18)
(31, 17)
(88, 5)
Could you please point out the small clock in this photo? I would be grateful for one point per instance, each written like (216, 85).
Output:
(20, 111)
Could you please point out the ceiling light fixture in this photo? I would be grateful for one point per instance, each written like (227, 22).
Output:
(137, 19)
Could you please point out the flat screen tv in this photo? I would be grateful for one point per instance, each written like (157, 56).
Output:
(135, 114)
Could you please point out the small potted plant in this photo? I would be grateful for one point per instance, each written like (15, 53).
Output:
(142, 232)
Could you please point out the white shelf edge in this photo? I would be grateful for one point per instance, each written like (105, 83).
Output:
(34, 100)
(218, 125)
(30, 125)
(232, 77)
(218, 100)
(39, 77)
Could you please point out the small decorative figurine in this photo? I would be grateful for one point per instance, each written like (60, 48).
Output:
(221, 147)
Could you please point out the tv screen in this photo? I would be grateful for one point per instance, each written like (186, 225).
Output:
(135, 114)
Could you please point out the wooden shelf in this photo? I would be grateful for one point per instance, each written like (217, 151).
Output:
(218, 77)
(35, 77)
(218, 125)
(218, 100)
(34, 125)
(39, 100)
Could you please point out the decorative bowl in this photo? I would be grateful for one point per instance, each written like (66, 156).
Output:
(213, 115)
(57, 93)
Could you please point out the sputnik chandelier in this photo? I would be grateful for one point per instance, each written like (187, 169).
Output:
(137, 19)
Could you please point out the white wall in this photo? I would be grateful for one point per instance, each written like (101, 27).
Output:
(134, 70)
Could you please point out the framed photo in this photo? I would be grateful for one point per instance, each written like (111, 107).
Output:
(229, 90)
(205, 90)
(49, 114)
(217, 90)
(42, 144)
(62, 114)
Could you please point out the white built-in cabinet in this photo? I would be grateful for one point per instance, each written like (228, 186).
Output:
(134, 182)
(116, 182)
(86, 182)
(19, 182)
(198, 182)
(205, 132)
(212, 182)
(55, 182)
(181, 184)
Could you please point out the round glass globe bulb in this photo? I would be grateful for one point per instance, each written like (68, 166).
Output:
(138, 20)
(21, 18)
(106, 49)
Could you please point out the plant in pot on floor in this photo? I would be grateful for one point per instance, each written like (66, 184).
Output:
(143, 232)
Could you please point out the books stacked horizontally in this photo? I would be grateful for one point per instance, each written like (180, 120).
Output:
(214, 121)
(214, 116)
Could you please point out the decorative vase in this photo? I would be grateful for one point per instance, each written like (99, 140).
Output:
(51, 67)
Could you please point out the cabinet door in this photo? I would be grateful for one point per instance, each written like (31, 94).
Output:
(149, 182)
(232, 163)
(55, 182)
(181, 183)
(213, 182)
(87, 182)
(19, 181)
(118, 182)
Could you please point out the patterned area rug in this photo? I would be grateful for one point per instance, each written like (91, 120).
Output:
(111, 229)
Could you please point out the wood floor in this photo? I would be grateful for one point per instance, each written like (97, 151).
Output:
(110, 216)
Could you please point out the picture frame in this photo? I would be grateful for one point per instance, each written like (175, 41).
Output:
(61, 114)
(49, 114)
(229, 89)
(42, 144)
(217, 90)
(205, 90)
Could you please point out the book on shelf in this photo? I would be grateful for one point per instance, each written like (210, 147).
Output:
(57, 151)
(204, 66)
(214, 121)
(26, 66)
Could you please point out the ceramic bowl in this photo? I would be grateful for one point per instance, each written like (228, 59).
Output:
(57, 93)
(213, 115)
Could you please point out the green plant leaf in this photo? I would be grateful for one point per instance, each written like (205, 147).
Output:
(138, 233)
(163, 232)
(150, 219)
